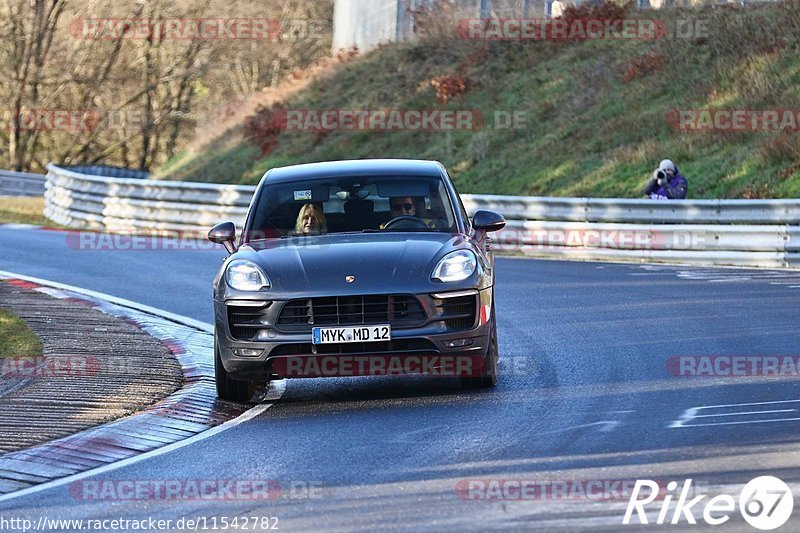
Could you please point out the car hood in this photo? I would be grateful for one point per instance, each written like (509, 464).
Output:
(378, 263)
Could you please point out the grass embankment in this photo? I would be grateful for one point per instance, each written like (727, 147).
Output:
(596, 111)
(23, 210)
(16, 338)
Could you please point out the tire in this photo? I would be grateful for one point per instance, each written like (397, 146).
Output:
(231, 389)
(488, 376)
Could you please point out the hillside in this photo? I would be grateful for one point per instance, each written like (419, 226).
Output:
(599, 114)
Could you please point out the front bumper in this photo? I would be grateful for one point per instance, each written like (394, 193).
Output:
(273, 352)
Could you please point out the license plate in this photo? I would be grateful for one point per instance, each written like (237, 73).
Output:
(338, 335)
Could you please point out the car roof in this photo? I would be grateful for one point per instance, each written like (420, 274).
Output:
(357, 167)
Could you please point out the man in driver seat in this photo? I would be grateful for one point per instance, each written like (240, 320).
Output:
(406, 205)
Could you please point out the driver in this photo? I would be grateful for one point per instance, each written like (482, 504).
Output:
(405, 206)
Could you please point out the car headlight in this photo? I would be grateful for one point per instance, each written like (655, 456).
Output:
(455, 266)
(244, 275)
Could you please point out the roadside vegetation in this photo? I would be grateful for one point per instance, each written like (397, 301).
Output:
(16, 338)
(598, 114)
(23, 210)
(127, 83)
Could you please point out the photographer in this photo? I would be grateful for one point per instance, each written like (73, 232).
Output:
(666, 183)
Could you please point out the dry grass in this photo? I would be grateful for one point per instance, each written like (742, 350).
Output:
(231, 116)
(23, 210)
(597, 114)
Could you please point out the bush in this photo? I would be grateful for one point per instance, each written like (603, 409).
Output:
(262, 128)
(643, 65)
(448, 87)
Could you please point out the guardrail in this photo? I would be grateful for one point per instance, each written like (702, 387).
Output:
(715, 232)
(21, 183)
(109, 171)
(129, 204)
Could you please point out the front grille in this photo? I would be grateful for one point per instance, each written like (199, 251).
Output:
(245, 320)
(404, 346)
(399, 310)
(458, 312)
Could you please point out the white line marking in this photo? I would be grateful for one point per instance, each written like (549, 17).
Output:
(691, 413)
(602, 412)
(180, 319)
(735, 423)
(244, 417)
(274, 393)
(748, 413)
(752, 403)
(684, 417)
(608, 425)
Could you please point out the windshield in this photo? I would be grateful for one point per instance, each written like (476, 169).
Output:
(351, 204)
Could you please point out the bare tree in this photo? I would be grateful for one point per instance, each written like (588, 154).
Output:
(140, 95)
(30, 26)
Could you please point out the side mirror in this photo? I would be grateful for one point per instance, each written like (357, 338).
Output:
(224, 233)
(485, 220)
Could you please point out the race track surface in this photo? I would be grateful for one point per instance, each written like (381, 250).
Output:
(587, 391)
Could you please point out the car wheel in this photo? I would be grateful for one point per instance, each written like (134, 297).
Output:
(231, 389)
(488, 375)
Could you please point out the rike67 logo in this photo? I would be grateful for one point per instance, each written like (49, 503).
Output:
(765, 503)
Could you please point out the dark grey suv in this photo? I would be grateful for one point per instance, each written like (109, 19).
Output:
(367, 267)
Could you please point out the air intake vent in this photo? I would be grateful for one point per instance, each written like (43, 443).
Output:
(401, 346)
(245, 320)
(399, 310)
(459, 312)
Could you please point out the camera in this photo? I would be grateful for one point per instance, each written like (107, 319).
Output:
(661, 175)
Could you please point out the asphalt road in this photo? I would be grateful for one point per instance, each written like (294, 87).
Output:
(586, 394)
